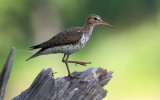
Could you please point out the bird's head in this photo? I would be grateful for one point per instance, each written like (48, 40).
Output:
(94, 20)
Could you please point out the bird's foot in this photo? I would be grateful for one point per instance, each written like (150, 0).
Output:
(73, 76)
(80, 63)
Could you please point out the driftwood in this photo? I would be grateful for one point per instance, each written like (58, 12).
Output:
(89, 86)
(5, 73)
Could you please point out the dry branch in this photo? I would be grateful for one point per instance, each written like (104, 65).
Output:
(5, 73)
(89, 86)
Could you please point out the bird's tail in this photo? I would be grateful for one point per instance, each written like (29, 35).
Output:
(35, 47)
(36, 54)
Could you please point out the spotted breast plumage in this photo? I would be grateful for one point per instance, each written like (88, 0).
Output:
(70, 41)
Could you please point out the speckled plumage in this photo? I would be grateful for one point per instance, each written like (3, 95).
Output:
(68, 48)
(68, 41)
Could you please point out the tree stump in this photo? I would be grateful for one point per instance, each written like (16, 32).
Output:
(89, 86)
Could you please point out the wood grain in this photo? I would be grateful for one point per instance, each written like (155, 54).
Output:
(89, 86)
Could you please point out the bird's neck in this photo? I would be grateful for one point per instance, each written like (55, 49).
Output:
(88, 28)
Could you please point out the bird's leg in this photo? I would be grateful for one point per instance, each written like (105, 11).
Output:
(78, 62)
(63, 60)
(66, 62)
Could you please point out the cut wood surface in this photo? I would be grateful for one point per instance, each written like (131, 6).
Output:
(89, 86)
(5, 73)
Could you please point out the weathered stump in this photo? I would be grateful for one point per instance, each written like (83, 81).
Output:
(89, 86)
(5, 73)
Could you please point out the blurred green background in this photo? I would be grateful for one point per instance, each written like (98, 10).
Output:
(131, 49)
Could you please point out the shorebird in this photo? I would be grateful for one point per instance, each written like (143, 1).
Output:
(70, 41)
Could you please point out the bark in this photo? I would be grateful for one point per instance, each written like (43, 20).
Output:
(89, 86)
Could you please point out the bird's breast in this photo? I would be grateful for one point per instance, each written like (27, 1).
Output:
(84, 39)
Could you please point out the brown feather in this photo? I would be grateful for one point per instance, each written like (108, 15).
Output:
(69, 36)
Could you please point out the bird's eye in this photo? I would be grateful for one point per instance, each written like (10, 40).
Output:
(95, 18)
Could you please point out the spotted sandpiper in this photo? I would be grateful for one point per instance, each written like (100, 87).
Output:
(70, 41)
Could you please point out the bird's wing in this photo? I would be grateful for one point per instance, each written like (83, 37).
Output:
(70, 36)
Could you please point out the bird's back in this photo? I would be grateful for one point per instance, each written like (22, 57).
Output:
(69, 36)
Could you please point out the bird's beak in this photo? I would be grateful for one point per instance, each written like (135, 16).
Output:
(106, 24)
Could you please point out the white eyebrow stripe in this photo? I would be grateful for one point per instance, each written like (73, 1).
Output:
(98, 18)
